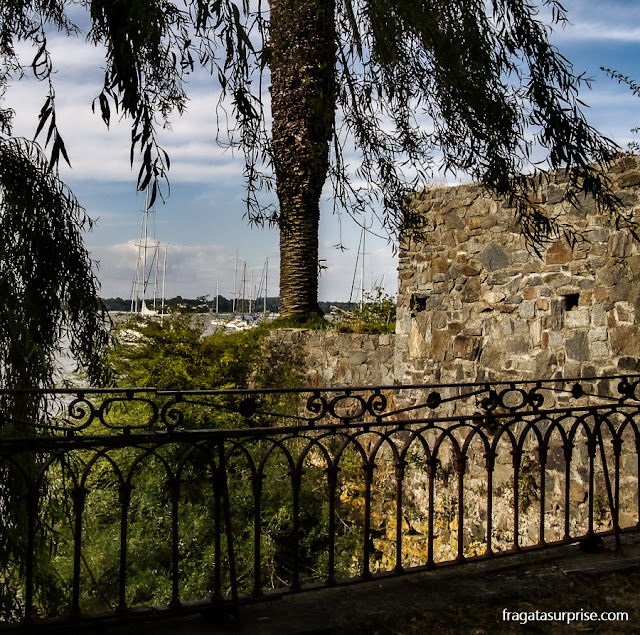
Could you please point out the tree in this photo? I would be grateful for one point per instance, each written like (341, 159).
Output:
(48, 300)
(633, 146)
(400, 79)
(47, 288)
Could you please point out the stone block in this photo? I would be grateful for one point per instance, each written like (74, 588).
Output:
(555, 194)
(629, 179)
(516, 345)
(556, 319)
(471, 290)
(600, 293)
(440, 345)
(633, 262)
(466, 347)
(600, 349)
(577, 347)
(453, 273)
(622, 290)
(487, 222)
(556, 279)
(493, 258)
(558, 253)
(522, 256)
(357, 357)
(586, 204)
(598, 235)
(625, 340)
(493, 296)
(440, 265)
(619, 245)
(627, 364)
(577, 318)
(473, 328)
(527, 310)
(470, 269)
(624, 312)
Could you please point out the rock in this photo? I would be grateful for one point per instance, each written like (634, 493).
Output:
(558, 253)
(577, 347)
(493, 258)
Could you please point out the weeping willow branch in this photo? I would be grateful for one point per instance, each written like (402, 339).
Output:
(48, 299)
(48, 290)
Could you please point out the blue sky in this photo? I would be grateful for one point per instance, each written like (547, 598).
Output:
(202, 221)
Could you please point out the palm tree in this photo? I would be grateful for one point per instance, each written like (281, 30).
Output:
(414, 85)
(302, 68)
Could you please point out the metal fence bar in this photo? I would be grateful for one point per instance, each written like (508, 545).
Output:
(315, 485)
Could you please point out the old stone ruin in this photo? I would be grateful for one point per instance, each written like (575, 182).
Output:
(476, 304)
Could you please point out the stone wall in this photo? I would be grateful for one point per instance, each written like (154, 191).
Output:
(475, 303)
(329, 358)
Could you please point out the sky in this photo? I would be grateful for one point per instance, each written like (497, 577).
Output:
(202, 222)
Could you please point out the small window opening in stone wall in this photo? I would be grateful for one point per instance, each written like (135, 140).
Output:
(417, 303)
(571, 301)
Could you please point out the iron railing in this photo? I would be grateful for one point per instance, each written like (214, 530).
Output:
(117, 499)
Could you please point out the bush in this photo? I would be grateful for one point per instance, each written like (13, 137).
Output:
(174, 355)
(376, 315)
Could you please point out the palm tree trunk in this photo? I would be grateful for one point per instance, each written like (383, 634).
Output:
(302, 64)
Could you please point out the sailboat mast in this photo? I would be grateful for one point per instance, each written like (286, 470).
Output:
(244, 284)
(155, 276)
(252, 295)
(364, 238)
(145, 222)
(164, 277)
(235, 284)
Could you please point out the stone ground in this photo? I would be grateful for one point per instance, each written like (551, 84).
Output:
(383, 603)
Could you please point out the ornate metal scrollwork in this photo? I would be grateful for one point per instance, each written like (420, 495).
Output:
(129, 398)
(171, 416)
(247, 407)
(377, 403)
(434, 400)
(490, 402)
(627, 389)
(317, 405)
(352, 412)
(80, 412)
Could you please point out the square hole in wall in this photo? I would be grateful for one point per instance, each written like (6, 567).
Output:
(571, 301)
(417, 303)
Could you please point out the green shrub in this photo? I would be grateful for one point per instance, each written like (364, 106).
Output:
(376, 315)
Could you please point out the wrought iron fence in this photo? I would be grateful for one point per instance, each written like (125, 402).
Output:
(116, 499)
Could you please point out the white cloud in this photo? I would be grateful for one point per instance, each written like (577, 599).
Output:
(597, 31)
(192, 270)
(604, 22)
(101, 154)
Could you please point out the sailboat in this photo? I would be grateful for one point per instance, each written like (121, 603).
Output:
(244, 301)
(146, 279)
